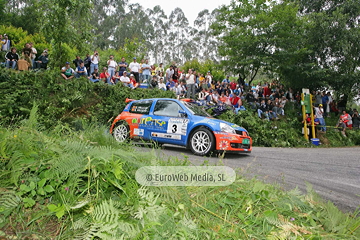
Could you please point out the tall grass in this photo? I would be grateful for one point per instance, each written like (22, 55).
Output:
(78, 183)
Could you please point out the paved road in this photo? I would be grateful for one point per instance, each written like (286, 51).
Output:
(334, 173)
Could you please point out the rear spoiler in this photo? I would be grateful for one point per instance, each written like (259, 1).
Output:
(188, 100)
(127, 100)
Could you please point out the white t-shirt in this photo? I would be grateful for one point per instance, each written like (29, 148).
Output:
(95, 60)
(134, 67)
(209, 78)
(190, 78)
(169, 72)
(318, 113)
(162, 85)
(125, 79)
(34, 52)
(112, 63)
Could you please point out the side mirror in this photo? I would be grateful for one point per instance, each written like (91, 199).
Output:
(182, 113)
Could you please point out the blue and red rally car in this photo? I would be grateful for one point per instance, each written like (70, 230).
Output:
(172, 121)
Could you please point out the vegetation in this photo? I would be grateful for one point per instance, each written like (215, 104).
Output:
(68, 184)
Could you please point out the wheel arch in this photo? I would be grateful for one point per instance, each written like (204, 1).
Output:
(196, 128)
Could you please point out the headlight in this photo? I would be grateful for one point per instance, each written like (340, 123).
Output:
(226, 128)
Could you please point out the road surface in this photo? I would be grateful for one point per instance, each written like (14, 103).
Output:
(334, 173)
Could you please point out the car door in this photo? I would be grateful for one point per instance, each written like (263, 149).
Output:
(174, 128)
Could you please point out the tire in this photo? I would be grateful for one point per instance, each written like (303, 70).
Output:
(202, 142)
(121, 131)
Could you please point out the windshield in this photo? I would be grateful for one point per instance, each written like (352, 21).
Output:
(196, 110)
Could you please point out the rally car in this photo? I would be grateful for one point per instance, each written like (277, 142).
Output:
(172, 121)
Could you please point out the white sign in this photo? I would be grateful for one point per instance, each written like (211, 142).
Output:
(166, 135)
(177, 126)
(138, 131)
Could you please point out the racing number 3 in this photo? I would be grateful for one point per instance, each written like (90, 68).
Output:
(177, 126)
(174, 128)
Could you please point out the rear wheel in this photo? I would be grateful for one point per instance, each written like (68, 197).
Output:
(121, 131)
(202, 142)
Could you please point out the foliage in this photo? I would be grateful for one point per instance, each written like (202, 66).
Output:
(19, 37)
(63, 100)
(73, 184)
(204, 67)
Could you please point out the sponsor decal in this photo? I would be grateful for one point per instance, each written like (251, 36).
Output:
(233, 138)
(223, 145)
(148, 121)
(140, 109)
(166, 135)
(138, 131)
(177, 126)
(235, 126)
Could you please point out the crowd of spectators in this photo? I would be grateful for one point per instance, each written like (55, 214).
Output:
(25, 60)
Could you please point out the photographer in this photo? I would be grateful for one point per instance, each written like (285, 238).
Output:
(95, 59)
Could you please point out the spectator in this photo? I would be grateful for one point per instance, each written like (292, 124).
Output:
(263, 110)
(95, 76)
(204, 97)
(111, 66)
(141, 71)
(133, 81)
(81, 71)
(67, 72)
(126, 80)
(241, 81)
(170, 84)
(318, 98)
(226, 80)
(233, 85)
(209, 77)
(152, 70)
(77, 61)
(146, 72)
(325, 102)
(11, 58)
(356, 119)
(116, 78)
(122, 66)
(134, 68)
(190, 84)
(169, 73)
(154, 82)
(347, 119)
(272, 113)
(328, 106)
(5, 43)
(27, 54)
(43, 60)
(162, 85)
(105, 76)
(159, 69)
(341, 105)
(236, 102)
(87, 63)
(33, 55)
(23, 65)
(319, 111)
(95, 59)
(341, 126)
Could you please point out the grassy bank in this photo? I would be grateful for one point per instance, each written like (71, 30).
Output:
(79, 184)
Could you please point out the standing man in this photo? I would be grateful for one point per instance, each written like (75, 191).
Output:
(319, 111)
(11, 58)
(134, 69)
(5, 43)
(190, 84)
(146, 72)
(95, 59)
(122, 66)
(111, 66)
(159, 69)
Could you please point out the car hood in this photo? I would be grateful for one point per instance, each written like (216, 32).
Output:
(215, 121)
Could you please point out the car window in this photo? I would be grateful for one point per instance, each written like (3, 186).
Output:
(167, 108)
(141, 107)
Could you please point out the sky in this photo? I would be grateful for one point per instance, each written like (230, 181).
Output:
(191, 8)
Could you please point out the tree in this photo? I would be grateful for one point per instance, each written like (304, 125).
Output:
(66, 24)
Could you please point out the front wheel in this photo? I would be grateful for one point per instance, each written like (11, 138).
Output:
(121, 131)
(202, 142)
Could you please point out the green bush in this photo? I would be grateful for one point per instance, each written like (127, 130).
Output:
(61, 100)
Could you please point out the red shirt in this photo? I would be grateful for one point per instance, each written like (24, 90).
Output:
(232, 85)
(234, 100)
(104, 75)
